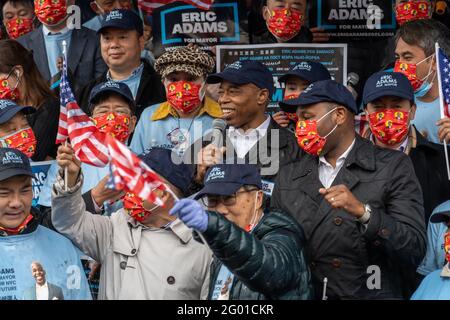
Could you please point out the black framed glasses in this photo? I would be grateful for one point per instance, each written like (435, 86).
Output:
(212, 200)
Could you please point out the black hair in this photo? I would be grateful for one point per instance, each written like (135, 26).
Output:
(424, 34)
(14, 3)
(103, 96)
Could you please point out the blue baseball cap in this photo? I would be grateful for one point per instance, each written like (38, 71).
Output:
(122, 19)
(384, 83)
(226, 179)
(172, 169)
(9, 109)
(14, 163)
(243, 72)
(112, 86)
(308, 70)
(441, 213)
(324, 91)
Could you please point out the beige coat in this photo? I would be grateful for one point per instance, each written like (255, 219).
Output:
(137, 262)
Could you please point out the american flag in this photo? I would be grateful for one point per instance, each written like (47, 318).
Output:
(87, 141)
(64, 98)
(444, 74)
(149, 5)
(131, 173)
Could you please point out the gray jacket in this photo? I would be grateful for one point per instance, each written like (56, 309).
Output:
(137, 262)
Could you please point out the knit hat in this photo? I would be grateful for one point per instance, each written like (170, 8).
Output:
(190, 59)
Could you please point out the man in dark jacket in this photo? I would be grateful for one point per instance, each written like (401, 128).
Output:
(250, 136)
(360, 206)
(389, 104)
(258, 254)
(284, 21)
(83, 53)
(122, 40)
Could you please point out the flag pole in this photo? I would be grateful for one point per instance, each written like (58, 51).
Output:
(66, 169)
(441, 103)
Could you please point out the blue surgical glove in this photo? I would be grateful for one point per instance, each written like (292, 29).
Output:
(191, 213)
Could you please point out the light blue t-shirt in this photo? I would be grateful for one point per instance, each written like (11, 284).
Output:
(427, 114)
(58, 257)
(54, 47)
(132, 81)
(435, 256)
(94, 24)
(163, 133)
(222, 287)
(433, 287)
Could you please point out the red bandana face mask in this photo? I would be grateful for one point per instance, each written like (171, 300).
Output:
(18, 27)
(23, 140)
(389, 126)
(20, 228)
(285, 23)
(118, 125)
(50, 12)
(291, 115)
(6, 92)
(447, 246)
(308, 138)
(135, 207)
(412, 10)
(184, 96)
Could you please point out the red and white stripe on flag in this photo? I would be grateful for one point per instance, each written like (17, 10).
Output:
(132, 174)
(149, 5)
(86, 140)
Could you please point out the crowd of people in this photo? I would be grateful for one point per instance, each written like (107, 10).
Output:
(340, 192)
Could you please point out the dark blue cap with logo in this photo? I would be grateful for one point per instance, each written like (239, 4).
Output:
(243, 72)
(324, 91)
(382, 84)
(9, 109)
(122, 19)
(308, 70)
(112, 86)
(169, 166)
(226, 179)
(13, 163)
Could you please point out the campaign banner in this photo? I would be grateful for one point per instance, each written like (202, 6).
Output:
(178, 24)
(354, 18)
(40, 170)
(279, 58)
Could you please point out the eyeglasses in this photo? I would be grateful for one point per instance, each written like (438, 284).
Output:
(213, 200)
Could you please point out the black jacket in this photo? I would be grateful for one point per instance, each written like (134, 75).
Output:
(150, 91)
(269, 154)
(338, 246)
(429, 164)
(268, 263)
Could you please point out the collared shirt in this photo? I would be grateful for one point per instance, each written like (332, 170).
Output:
(327, 173)
(132, 81)
(244, 141)
(159, 123)
(42, 291)
(53, 46)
